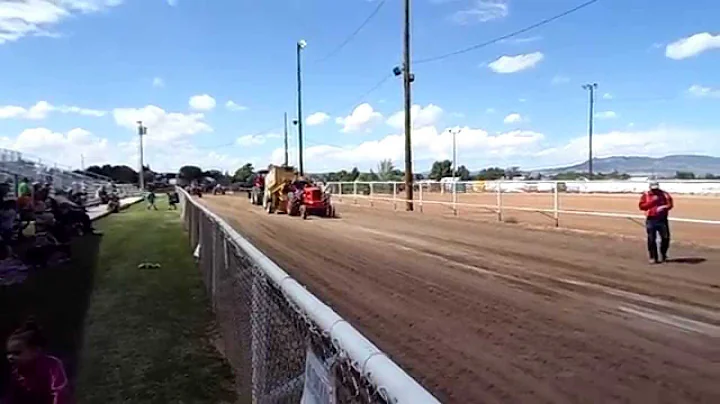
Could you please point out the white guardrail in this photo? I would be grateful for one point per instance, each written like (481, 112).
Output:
(367, 359)
(424, 192)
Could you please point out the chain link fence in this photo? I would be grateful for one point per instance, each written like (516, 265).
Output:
(281, 341)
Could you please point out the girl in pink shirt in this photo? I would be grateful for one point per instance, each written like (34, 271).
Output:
(37, 378)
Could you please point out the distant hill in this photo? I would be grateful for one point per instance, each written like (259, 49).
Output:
(641, 166)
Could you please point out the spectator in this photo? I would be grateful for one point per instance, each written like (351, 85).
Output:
(8, 220)
(24, 194)
(173, 200)
(36, 376)
(657, 204)
(150, 197)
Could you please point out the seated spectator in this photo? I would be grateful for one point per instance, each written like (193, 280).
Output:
(70, 214)
(8, 225)
(36, 376)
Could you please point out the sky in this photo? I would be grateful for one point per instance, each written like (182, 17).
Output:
(211, 80)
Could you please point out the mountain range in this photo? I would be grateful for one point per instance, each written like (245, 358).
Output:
(645, 166)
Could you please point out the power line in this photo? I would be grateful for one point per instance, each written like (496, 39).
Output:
(510, 35)
(353, 34)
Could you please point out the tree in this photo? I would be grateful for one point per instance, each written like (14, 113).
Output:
(388, 172)
(368, 177)
(463, 173)
(244, 173)
(685, 175)
(441, 169)
(190, 173)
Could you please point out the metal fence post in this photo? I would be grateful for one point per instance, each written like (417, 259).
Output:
(355, 191)
(556, 205)
(499, 200)
(394, 195)
(371, 193)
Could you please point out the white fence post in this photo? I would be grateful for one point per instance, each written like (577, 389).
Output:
(340, 191)
(556, 205)
(420, 187)
(394, 195)
(355, 191)
(499, 200)
(454, 198)
(371, 193)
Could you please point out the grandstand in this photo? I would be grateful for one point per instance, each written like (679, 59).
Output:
(14, 166)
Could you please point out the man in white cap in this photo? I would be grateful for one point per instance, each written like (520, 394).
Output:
(657, 204)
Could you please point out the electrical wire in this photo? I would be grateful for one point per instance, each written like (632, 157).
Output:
(506, 36)
(353, 34)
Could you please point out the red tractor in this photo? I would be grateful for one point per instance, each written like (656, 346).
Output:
(310, 200)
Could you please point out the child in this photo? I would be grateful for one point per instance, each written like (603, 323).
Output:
(173, 200)
(36, 376)
(151, 200)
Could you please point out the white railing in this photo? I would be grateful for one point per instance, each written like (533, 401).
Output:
(283, 342)
(452, 196)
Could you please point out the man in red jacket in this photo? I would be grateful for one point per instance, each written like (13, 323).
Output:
(657, 204)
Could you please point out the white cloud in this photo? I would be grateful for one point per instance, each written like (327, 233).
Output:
(428, 143)
(232, 106)
(41, 110)
(202, 102)
(162, 126)
(20, 18)
(692, 46)
(559, 79)
(421, 117)
(659, 141)
(607, 96)
(158, 82)
(250, 140)
(362, 119)
(481, 11)
(317, 118)
(606, 115)
(490, 111)
(62, 148)
(514, 64)
(701, 91)
(513, 118)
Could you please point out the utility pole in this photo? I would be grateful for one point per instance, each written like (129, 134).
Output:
(82, 162)
(300, 46)
(591, 88)
(142, 131)
(286, 141)
(454, 153)
(407, 80)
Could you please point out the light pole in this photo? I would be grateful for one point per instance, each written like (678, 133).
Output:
(286, 141)
(591, 89)
(454, 133)
(142, 131)
(300, 46)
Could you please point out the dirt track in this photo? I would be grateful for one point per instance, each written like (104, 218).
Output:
(488, 312)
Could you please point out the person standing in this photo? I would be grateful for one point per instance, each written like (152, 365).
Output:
(151, 200)
(657, 204)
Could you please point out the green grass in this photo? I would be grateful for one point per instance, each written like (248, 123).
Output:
(148, 332)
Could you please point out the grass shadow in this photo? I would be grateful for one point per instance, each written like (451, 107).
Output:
(58, 298)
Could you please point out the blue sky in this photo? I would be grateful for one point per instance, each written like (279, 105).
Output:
(77, 74)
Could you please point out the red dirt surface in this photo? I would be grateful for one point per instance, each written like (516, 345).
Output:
(489, 312)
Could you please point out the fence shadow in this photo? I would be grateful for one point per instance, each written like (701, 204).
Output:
(57, 297)
(687, 260)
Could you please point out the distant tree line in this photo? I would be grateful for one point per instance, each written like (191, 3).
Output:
(386, 171)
